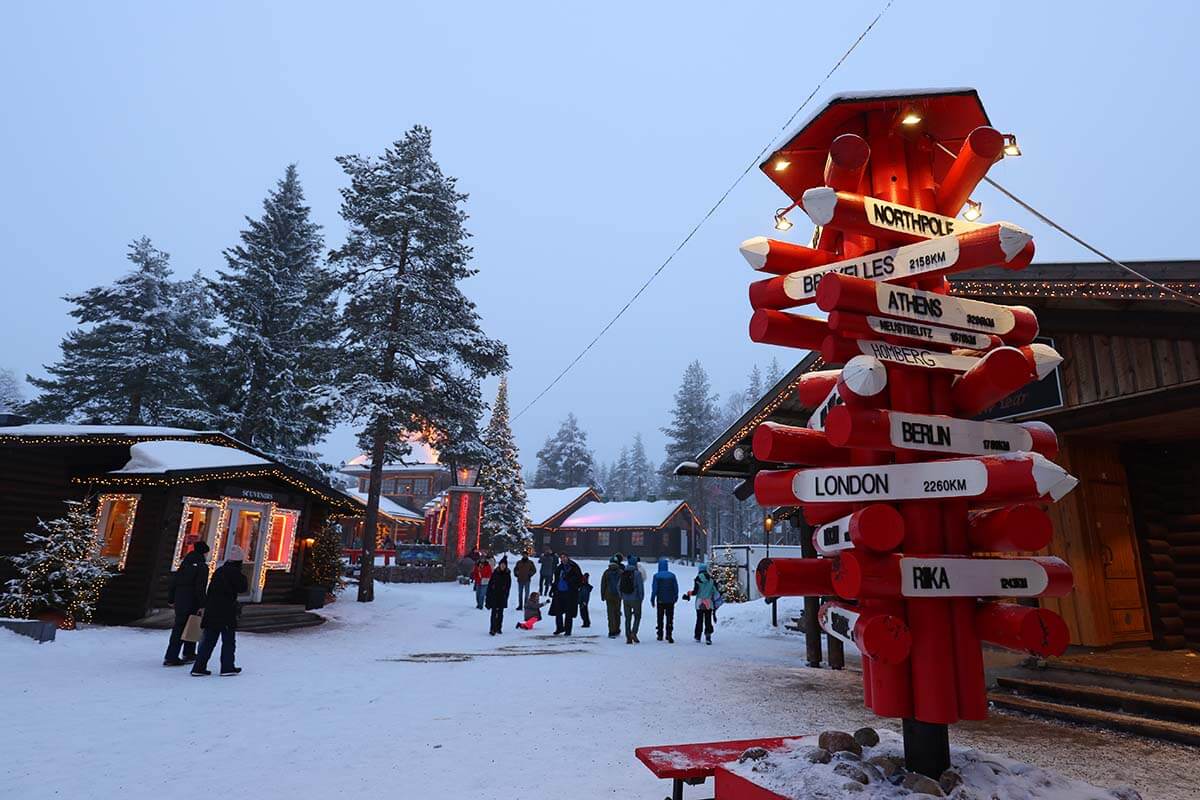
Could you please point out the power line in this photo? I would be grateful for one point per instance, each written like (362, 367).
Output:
(695, 228)
(1078, 240)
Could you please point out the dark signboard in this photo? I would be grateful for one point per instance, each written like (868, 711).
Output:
(1041, 395)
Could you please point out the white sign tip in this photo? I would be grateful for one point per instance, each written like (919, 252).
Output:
(755, 250)
(819, 203)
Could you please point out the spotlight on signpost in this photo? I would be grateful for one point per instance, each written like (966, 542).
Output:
(781, 164)
(910, 118)
(1010, 145)
(974, 211)
(782, 223)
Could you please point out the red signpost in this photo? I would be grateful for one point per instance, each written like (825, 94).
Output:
(906, 487)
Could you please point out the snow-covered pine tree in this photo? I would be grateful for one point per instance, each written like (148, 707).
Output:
(548, 474)
(565, 460)
(774, 374)
(323, 562)
(693, 426)
(62, 571)
(276, 390)
(754, 391)
(12, 396)
(414, 352)
(133, 362)
(642, 479)
(618, 477)
(504, 501)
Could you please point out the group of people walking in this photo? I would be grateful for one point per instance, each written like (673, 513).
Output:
(215, 601)
(622, 589)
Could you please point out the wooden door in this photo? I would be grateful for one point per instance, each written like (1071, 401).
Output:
(1111, 520)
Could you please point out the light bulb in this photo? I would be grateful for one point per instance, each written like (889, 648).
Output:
(911, 118)
(1010, 145)
(974, 211)
(782, 223)
(781, 164)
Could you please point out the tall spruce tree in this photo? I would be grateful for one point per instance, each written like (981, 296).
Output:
(565, 460)
(693, 426)
(642, 478)
(135, 360)
(414, 351)
(12, 396)
(618, 477)
(276, 390)
(504, 501)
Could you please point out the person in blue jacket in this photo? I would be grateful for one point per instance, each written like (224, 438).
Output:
(632, 588)
(664, 593)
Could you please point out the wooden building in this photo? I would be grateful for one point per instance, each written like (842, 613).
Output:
(649, 529)
(397, 525)
(157, 490)
(1126, 406)
(411, 484)
(547, 509)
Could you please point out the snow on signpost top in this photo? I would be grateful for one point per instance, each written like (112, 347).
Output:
(629, 514)
(167, 456)
(545, 503)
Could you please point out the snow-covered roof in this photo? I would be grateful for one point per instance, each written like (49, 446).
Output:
(388, 507)
(629, 514)
(422, 457)
(168, 456)
(545, 503)
(39, 429)
(872, 94)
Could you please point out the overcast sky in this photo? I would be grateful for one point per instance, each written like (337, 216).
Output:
(589, 138)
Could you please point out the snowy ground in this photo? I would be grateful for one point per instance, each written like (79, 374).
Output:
(409, 694)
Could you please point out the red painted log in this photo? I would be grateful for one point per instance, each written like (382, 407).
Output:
(979, 151)
(1034, 630)
(794, 577)
(787, 444)
(997, 375)
(891, 431)
(815, 387)
(847, 162)
(879, 636)
(1019, 528)
(862, 383)
(782, 258)
(877, 527)
(787, 330)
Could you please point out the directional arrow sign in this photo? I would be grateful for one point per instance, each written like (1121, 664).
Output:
(856, 213)
(877, 429)
(877, 527)
(857, 326)
(999, 243)
(907, 356)
(883, 637)
(984, 577)
(1021, 476)
(1013, 324)
(816, 420)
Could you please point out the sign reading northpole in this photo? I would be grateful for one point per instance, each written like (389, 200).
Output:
(904, 219)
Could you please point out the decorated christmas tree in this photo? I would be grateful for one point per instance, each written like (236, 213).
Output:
(62, 572)
(724, 572)
(323, 566)
(503, 486)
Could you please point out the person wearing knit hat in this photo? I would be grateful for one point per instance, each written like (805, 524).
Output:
(186, 594)
(221, 612)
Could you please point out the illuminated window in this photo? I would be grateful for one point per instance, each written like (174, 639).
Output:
(602, 539)
(114, 526)
(637, 539)
(283, 539)
(569, 540)
(198, 523)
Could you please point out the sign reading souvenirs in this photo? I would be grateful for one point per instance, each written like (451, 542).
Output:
(896, 535)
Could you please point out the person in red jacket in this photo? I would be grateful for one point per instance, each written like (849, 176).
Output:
(480, 576)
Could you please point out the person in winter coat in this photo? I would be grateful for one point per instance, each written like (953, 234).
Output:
(610, 593)
(533, 612)
(480, 577)
(497, 595)
(186, 594)
(632, 588)
(564, 594)
(664, 593)
(548, 564)
(706, 594)
(585, 594)
(523, 571)
(221, 611)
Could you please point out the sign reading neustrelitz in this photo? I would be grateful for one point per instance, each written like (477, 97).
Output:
(956, 436)
(971, 577)
(934, 334)
(935, 479)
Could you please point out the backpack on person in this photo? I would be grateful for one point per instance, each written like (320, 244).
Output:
(627, 585)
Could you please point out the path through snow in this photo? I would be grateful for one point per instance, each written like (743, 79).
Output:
(409, 696)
